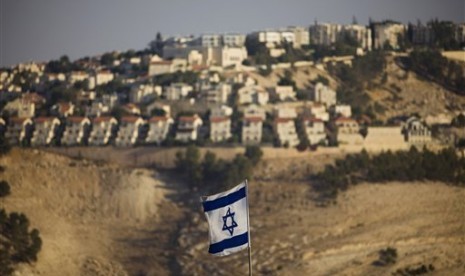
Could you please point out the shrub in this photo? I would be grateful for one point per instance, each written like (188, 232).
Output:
(4, 188)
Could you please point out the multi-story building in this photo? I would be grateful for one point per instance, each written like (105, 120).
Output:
(233, 40)
(19, 130)
(284, 92)
(167, 66)
(144, 93)
(324, 33)
(218, 93)
(159, 127)
(129, 131)
(220, 128)
(103, 130)
(387, 33)
(420, 34)
(252, 125)
(323, 94)
(45, 130)
(253, 94)
(342, 110)
(188, 128)
(211, 40)
(285, 130)
(314, 130)
(77, 131)
(177, 91)
(360, 33)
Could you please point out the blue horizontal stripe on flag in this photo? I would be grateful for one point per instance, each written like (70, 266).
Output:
(223, 201)
(229, 243)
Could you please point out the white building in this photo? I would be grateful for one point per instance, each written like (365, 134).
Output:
(188, 128)
(284, 92)
(253, 94)
(218, 93)
(285, 112)
(177, 91)
(76, 132)
(324, 33)
(220, 128)
(360, 33)
(314, 130)
(416, 132)
(129, 131)
(76, 76)
(387, 33)
(103, 77)
(44, 130)
(159, 127)
(167, 66)
(323, 94)
(342, 110)
(19, 130)
(144, 93)
(233, 40)
(284, 129)
(20, 107)
(97, 109)
(103, 130)
(210, 40)
(348, 131)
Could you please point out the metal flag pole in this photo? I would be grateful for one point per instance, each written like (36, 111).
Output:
(248, 227)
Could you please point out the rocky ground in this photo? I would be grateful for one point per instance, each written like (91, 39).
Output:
(101, 219)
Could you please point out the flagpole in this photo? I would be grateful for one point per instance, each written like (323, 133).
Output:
(248, 227)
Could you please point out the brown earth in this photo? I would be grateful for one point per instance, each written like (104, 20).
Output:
(102, 219)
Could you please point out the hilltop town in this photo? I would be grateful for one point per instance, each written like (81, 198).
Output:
(326, 85)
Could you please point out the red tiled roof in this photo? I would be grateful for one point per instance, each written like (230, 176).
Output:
(282, 120)
(76, 119)
(158, 119)
(64, 107)
(18, 120)
(40, 120)
(100, 119)
(313, 120)
(130, 119)
(253, 119)
(188, 118)
(218, 119)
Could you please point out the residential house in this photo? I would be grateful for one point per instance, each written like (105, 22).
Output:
(253, 94)
(177, 91)
(63, 109)
(131, 108)
(324, 33)
(96, 109)
(110, 100)
(323, 94)
(285, 112)
(284, 129)
(103, 130)
(284, 92)
(314, 130)
(348, 131)
(252, 125)
(144, 93)
(167, 66)
(219, 93)
(159, 127)
(45, 130)
(19, 130)
(76, 76)
(342, 110)
(220, 123)
(387, 34)
(129, 131)
(188, 128)
(21, 108)
(416, 132)
(77, 131)
(103, 77)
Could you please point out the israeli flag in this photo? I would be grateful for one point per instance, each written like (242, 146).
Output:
(227, 216)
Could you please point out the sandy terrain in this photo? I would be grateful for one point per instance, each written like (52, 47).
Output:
(103, 219)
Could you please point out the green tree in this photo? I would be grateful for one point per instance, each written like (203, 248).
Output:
(254, 154)
(4, 188)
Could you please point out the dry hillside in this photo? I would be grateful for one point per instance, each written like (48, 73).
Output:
(103, 219)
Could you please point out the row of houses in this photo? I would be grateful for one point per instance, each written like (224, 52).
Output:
(133, 130)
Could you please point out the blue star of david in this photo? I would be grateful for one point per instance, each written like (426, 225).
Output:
(233, 224)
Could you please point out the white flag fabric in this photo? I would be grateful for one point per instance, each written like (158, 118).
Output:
(227, 216)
